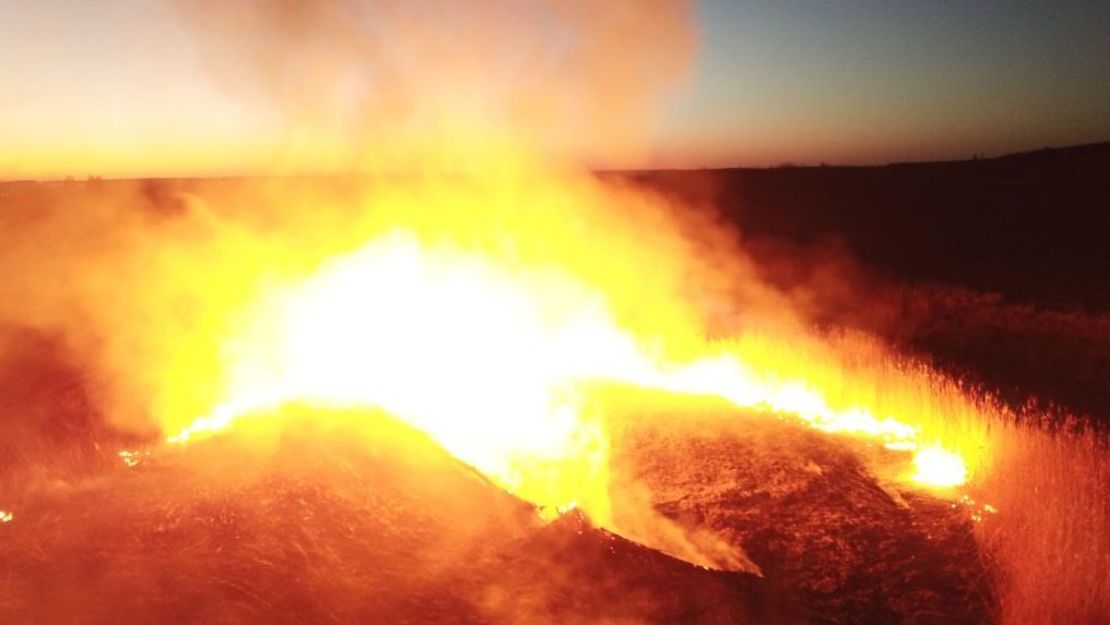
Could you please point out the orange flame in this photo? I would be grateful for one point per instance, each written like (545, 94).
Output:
(483, 323)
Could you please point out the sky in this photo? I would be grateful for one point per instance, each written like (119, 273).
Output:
(120, 87)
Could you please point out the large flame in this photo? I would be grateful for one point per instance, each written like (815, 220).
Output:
(482, 291)
(483, 309)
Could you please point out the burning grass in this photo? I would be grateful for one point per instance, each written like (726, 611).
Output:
(1049, 543)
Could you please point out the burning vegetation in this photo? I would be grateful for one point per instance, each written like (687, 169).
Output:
(480, 384)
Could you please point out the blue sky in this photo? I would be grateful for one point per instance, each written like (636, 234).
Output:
(869, 81)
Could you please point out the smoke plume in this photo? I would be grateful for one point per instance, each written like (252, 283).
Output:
(403, 85)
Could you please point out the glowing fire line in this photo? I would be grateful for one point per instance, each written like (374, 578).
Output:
(492, 365)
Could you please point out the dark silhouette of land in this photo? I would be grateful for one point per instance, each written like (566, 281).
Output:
(1032, 226)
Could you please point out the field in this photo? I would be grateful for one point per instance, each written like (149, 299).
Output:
(987, 280)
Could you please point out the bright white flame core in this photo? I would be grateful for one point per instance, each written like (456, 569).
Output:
(490, 361)
(939, 467)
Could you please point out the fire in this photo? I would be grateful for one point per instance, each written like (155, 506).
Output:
(458, 348)
(484, 322)
(481, 291)
(132, 458)
(939, 467)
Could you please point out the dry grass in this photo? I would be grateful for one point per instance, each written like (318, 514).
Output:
(1045, 473)
(1050, 540)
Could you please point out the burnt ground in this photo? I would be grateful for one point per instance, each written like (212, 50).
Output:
(362, 528)
(346, 523)
(807, 512)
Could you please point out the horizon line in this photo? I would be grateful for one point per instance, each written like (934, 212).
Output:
(976, 157)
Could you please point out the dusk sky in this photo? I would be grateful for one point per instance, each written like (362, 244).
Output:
(118, 87)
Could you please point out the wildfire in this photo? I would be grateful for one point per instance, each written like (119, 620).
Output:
(484, 323)
(133, 458)
(939, 467)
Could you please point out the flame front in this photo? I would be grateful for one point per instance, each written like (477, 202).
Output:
(484, 321)
(484, 362)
